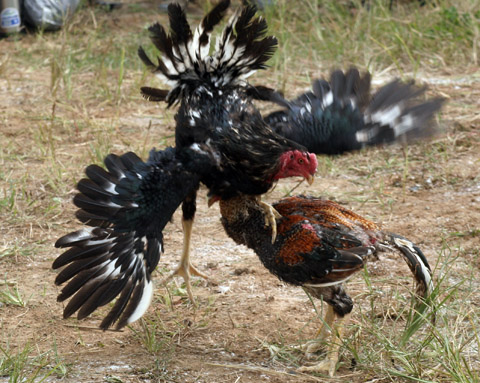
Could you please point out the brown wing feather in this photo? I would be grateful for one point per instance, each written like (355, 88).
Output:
(327, 212)
(296, 243)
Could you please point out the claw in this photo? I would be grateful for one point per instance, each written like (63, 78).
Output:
(271, 215)
(321, 338)
(185, 270)
(212, 199)
(327, 365)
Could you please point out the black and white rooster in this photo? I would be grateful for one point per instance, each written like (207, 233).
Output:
(341, 115)
(221, 141)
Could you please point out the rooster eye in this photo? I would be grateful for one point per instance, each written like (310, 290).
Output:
(300, 161)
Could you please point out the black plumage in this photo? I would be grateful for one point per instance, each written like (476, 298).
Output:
(126, 206)
(341, 115)
(221, 141)
(216, 111)
(216, 108)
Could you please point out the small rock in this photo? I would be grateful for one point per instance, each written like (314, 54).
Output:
(241, 270)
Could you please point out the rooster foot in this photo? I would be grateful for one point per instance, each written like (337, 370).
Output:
(325, 366)
(271, 215)
(185, 271)
(311, 347)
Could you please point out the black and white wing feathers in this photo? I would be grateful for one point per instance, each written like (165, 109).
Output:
(341, 115)
(126, 208)
(187, 65)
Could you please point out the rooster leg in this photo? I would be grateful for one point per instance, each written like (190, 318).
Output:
(316, 344)
(270, 217)
(330, 362)
(185, 269)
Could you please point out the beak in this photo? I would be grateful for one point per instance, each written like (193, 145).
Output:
(212, 199)
(310, 178)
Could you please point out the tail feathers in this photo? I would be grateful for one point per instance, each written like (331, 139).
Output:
(186, 62)
(396, 112)
(348, 87)
(417, 262)
(126, 208)
(100, 265)
(341, 115)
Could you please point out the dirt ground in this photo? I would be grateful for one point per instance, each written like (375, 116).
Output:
(245, 321)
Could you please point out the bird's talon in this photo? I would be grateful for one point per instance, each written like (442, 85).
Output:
(311, 347)
(271, 216)
(325, 366)
(185, 271)
(274, 232)
(194, 271)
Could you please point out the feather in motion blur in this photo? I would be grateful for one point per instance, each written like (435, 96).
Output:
(221, 141)
(341, 115)
(319, 246)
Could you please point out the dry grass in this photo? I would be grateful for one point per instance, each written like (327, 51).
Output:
(69, 98)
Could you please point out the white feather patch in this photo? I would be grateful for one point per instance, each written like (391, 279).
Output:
(327, 100)
(387, 116)
(110, 187)
(407, 123)
(110, 271)
(367, 135)
(144, 303)
(425, 272)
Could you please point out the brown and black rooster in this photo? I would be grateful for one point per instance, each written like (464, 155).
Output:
(319, 246)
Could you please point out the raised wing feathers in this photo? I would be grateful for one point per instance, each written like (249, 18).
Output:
(186, 63)
(126, 207)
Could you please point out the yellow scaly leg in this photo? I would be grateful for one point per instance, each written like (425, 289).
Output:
(185, 269)
(328, 365)
(270, 217)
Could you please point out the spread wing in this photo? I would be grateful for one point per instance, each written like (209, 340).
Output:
(125, 209)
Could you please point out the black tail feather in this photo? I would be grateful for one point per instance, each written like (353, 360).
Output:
(341, 115)
(416, 261)
(186, 61)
